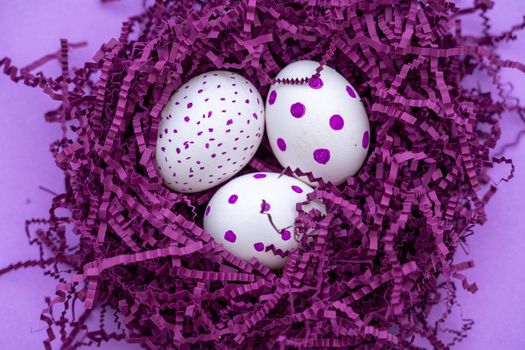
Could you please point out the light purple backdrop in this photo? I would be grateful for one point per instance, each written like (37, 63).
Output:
(32, 28)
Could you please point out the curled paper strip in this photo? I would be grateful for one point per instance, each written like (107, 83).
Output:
(366, 274)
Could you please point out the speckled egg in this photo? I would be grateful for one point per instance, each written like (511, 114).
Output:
(254, 211)
(319, 127)
(210, 129)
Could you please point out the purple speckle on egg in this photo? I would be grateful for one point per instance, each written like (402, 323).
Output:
(233, 198)
(366, 139)
(207, 212)
(297, 110)
(259, 176)
(286, 235)
(265, 206)
(281, 144)
(297, 189)
(230, 236)
(350, 91)
(259, 246)
(189, 105)
(336, 122)
(322, 155)
(273, 97)
(316, 83)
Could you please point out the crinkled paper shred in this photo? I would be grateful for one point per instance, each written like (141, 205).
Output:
(131, 259)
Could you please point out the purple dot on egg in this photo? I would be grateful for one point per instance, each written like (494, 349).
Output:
(259, 176)
(207, 212)
(259, 246)
(297, 110)
(272, 98)
(178, 150)
(163, 149)
(350, 91)
(233, 198)
(255, 115)
(186, 119)
(189, 105)
(247, 101)
(286, 235)
(322, 155)
(265, 206)
(230, 236)
(316, 83)
(281, 144)
(297, 189)
(229, 122)
(366, 139)
(199, 91)
(336, 122)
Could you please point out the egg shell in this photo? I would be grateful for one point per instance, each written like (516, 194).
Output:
(233, 216)
(319, 127)
(210, 129)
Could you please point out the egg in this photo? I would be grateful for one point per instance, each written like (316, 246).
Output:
(253, 211)
(319, 127)
(209, 130)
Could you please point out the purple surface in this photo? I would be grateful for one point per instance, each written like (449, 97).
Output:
(33, 28)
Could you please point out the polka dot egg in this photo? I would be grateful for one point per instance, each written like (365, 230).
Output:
(319, 127)
(254, 211)
(210, 129)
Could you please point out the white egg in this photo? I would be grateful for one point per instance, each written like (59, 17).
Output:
(253, 211)
(319, 127)
(210, 129)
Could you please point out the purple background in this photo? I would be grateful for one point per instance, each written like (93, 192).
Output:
(31, 28)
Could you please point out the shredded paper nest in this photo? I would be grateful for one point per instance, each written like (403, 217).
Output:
(125, 247)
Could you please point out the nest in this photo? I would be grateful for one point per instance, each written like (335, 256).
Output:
(380, 258)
